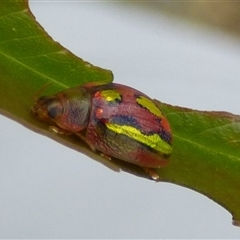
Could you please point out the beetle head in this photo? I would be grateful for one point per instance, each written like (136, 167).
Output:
(48, 108)
(69, 109)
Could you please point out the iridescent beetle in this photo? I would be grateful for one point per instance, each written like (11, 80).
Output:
(116, 120)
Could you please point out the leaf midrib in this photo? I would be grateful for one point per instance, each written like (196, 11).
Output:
(201, 146)
(52, 80)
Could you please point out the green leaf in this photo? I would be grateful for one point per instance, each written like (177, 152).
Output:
(206, 144)
(206, 155)
(30, 59)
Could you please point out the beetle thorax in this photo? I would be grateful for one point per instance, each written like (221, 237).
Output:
(76, 111)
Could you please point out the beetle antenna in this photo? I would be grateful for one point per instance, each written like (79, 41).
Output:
(37, 94)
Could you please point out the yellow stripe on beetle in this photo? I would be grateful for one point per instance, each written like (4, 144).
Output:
(147, 103)
(153, 141)
(110, 95)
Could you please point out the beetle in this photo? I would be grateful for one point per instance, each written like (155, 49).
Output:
(114, 119)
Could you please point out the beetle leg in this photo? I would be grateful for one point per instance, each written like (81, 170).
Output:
(86, 141)
(151, 173)
(106, 156)
(58, 130)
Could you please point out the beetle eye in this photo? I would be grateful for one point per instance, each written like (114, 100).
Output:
(55, 109)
